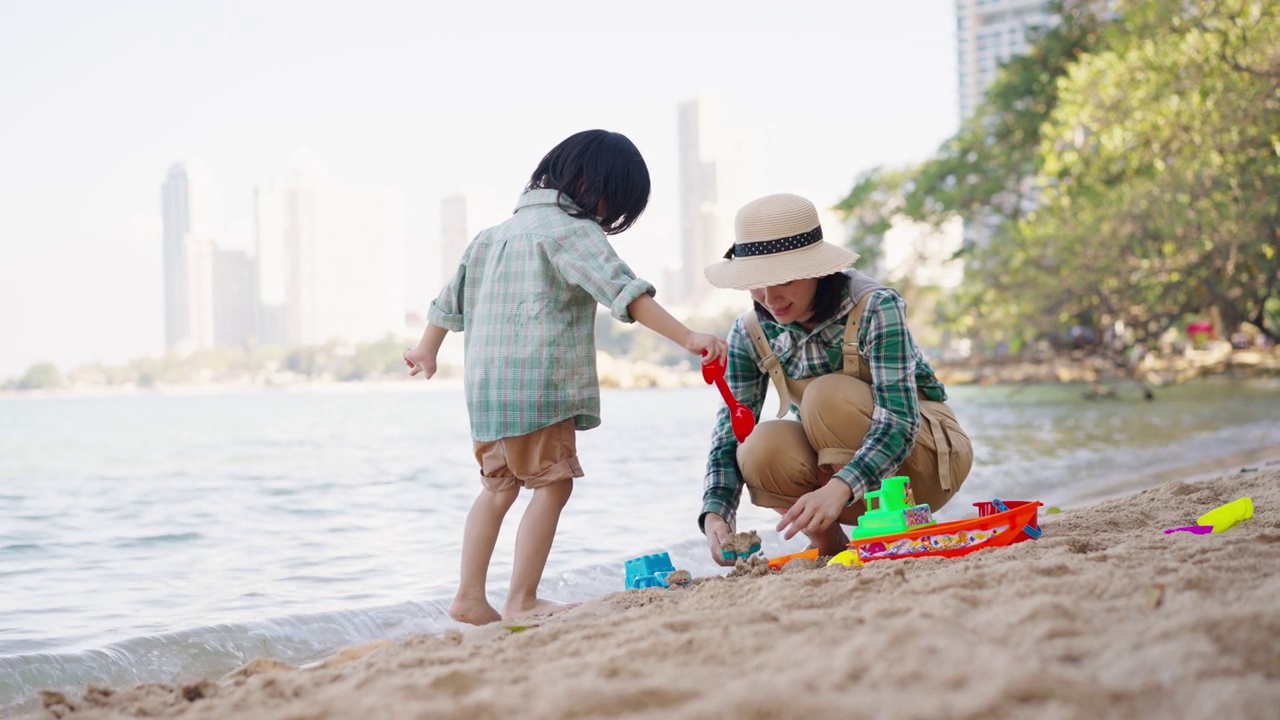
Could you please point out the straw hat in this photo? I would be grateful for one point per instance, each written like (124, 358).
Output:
(779, 239)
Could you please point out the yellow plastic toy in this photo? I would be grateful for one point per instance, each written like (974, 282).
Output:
(1224, 517)
(848, 558)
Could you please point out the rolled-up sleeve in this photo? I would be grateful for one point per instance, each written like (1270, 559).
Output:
(446, 310)
(586, 259)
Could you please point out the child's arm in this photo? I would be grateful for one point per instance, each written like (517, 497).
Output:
(650, 314)
(422, 359)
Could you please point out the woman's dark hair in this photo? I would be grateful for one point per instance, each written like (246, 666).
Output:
(596, 165)
(826, 297)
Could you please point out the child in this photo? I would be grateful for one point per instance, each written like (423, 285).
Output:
(525, 293)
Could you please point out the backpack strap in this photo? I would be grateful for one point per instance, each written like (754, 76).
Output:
(768, 360)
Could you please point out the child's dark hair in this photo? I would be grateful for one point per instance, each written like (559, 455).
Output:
(596, 165)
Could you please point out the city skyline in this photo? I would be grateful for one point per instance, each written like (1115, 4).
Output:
(244, 89)
(719, 172)
(335, 253)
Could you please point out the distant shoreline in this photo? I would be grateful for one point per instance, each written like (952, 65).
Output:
(1094, 371)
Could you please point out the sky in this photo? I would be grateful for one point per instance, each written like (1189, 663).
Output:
(100, 99)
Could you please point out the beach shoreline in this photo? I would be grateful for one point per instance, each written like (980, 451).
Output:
(1097, 373)
(1105, 615)
(1260, 459)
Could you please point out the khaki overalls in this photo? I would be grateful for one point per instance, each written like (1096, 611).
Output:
(784, 459)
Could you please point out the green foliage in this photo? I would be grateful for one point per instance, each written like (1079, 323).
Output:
(869, 209)
(983, 173)
(1123, 171)
(257, 364)
(41, 376)
(372, 360)
(1160, 177)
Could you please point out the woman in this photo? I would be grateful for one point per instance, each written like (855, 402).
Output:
(836, 347)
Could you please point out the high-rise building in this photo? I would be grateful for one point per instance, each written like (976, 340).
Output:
(235, 298)
(989, 32)
(274, 266)
(719, 172)
(189, 207)
(332, 257)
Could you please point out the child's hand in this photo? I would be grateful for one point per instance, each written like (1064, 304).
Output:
(709, 347)
(420, 361)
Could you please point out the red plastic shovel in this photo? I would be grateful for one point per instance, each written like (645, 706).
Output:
(739, 415)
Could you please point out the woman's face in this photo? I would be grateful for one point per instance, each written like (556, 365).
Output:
(789, 302)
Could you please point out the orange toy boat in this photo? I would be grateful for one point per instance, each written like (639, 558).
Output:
(948, 539)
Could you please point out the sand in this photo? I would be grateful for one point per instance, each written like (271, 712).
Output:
(1104, 616)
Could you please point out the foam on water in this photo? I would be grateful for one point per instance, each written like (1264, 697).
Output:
(214, 650)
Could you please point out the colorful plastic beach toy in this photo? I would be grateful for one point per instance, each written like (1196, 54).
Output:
(1224, 517)
(992, 528)
(1195, 529)
(1032, 530)
(648, 571)
(892, 509)
(740, 416)
(729, 554)
(848, 558)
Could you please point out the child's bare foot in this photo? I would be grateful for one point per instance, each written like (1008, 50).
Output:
(472, 610)
(538, 607)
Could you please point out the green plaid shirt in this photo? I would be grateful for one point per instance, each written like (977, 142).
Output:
(898, 370)
(525, 294)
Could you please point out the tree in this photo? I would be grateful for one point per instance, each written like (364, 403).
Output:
(984, 174)
(869, 209)
(1161, 187)
(1123, 171)
(41, 376)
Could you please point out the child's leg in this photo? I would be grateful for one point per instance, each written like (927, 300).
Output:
(478, 539)
(533, 545)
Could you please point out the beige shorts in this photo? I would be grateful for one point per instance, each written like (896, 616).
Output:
(784, 459)
(541, 457)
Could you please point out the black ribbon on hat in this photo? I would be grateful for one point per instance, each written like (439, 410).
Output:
(769, 247)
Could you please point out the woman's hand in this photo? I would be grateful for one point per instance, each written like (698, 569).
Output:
(718, 532)
(708, 346)
(814, 512)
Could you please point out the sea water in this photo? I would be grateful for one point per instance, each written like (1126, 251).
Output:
(167, 537)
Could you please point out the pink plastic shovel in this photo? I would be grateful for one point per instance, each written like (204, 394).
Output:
(739, 415)
(1197, 529)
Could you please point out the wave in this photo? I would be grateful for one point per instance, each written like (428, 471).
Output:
(214, 650)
